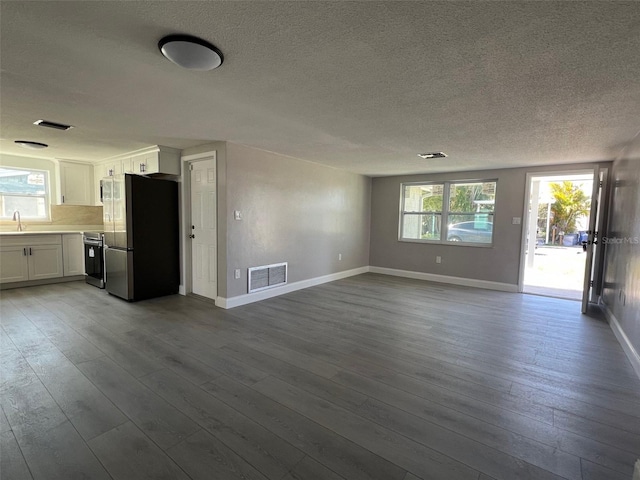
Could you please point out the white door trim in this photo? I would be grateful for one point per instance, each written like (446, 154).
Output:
(185, 227)
(199, 156)
(525, 211)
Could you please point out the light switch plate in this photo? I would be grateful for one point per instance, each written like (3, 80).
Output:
(516, 221)
(237, 273)
(237, 215)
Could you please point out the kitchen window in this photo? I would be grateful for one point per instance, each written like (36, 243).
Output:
(455, 212)
(25, 191)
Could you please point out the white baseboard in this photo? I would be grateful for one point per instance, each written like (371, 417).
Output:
(245, 299)
(432, 277)
(631, 353)
(182, 290)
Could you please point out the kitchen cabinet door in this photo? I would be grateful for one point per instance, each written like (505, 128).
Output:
(14, 265)
(127, 166)
(45, 261)
(165, 161)
(76, 183)
(72, 254)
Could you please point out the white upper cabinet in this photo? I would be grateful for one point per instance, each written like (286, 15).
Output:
(76, 183)
(127, 165)
(157, 159)
(164, 160)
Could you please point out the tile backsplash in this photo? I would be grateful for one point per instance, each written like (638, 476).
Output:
(75, 215)
(63, 217)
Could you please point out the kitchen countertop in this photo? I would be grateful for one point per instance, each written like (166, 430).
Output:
(43, 232)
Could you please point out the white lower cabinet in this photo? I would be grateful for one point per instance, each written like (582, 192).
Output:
(30, 257)
(14, 265)
(45, 261)
(72, 254)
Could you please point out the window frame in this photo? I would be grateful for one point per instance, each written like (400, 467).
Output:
(444, 230)
(46, 196)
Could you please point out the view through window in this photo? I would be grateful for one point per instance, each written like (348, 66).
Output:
(25, 191)
(467, 218)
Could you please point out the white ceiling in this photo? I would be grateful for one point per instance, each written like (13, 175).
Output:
(362, 86)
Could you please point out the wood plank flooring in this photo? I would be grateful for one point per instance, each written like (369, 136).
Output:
(370, 377)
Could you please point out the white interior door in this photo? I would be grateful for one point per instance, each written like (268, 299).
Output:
(203, 228)
(592, 239)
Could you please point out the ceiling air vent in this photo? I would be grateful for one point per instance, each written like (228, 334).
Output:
(426, 156)
(57, 126)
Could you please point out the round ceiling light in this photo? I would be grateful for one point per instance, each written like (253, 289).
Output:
(190, 52)
(30, 144)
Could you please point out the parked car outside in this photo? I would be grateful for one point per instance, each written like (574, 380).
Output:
(471, 232)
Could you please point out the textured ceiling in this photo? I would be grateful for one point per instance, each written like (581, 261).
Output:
(362, 86)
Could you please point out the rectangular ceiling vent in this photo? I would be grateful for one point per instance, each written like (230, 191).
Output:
(57, 126)
(426, 156)
(267, 276)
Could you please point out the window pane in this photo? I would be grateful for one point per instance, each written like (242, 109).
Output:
(29, 207)
(423, 198)
(421, 227)
(23, 182)
(24, 191)
(472, 197)
(473, 228)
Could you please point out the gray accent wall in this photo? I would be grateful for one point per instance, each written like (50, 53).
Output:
(498, 263)
(622, 247)
(292, 211)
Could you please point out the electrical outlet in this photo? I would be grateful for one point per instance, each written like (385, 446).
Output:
(438, 259)
(237, 273)
(516, 220)
(339, 257)
(237, 215)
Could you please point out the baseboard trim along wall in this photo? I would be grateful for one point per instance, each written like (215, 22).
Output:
(245, 299)
(432, 277)
(631, 353)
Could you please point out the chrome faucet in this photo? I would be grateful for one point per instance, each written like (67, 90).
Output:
(16, 217)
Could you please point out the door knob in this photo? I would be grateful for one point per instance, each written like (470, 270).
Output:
(192, 236)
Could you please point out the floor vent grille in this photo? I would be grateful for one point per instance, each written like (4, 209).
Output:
(267, 276)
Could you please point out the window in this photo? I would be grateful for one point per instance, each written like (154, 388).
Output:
(25, 191)
(422, 211)
(467, 217)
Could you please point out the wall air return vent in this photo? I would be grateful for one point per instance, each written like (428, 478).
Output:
(267, 276)
(54, 125)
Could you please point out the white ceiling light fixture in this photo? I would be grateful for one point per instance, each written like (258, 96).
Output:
(190, 52)
(426, 156)
(30, 144)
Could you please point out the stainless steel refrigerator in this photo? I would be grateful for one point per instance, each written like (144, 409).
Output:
(140, 236)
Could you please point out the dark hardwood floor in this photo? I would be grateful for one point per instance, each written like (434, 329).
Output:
(370, 377)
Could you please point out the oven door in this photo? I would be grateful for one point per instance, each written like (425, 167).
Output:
(94, 262)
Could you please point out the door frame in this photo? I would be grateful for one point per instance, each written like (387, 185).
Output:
(186, 287)
(525, 210)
